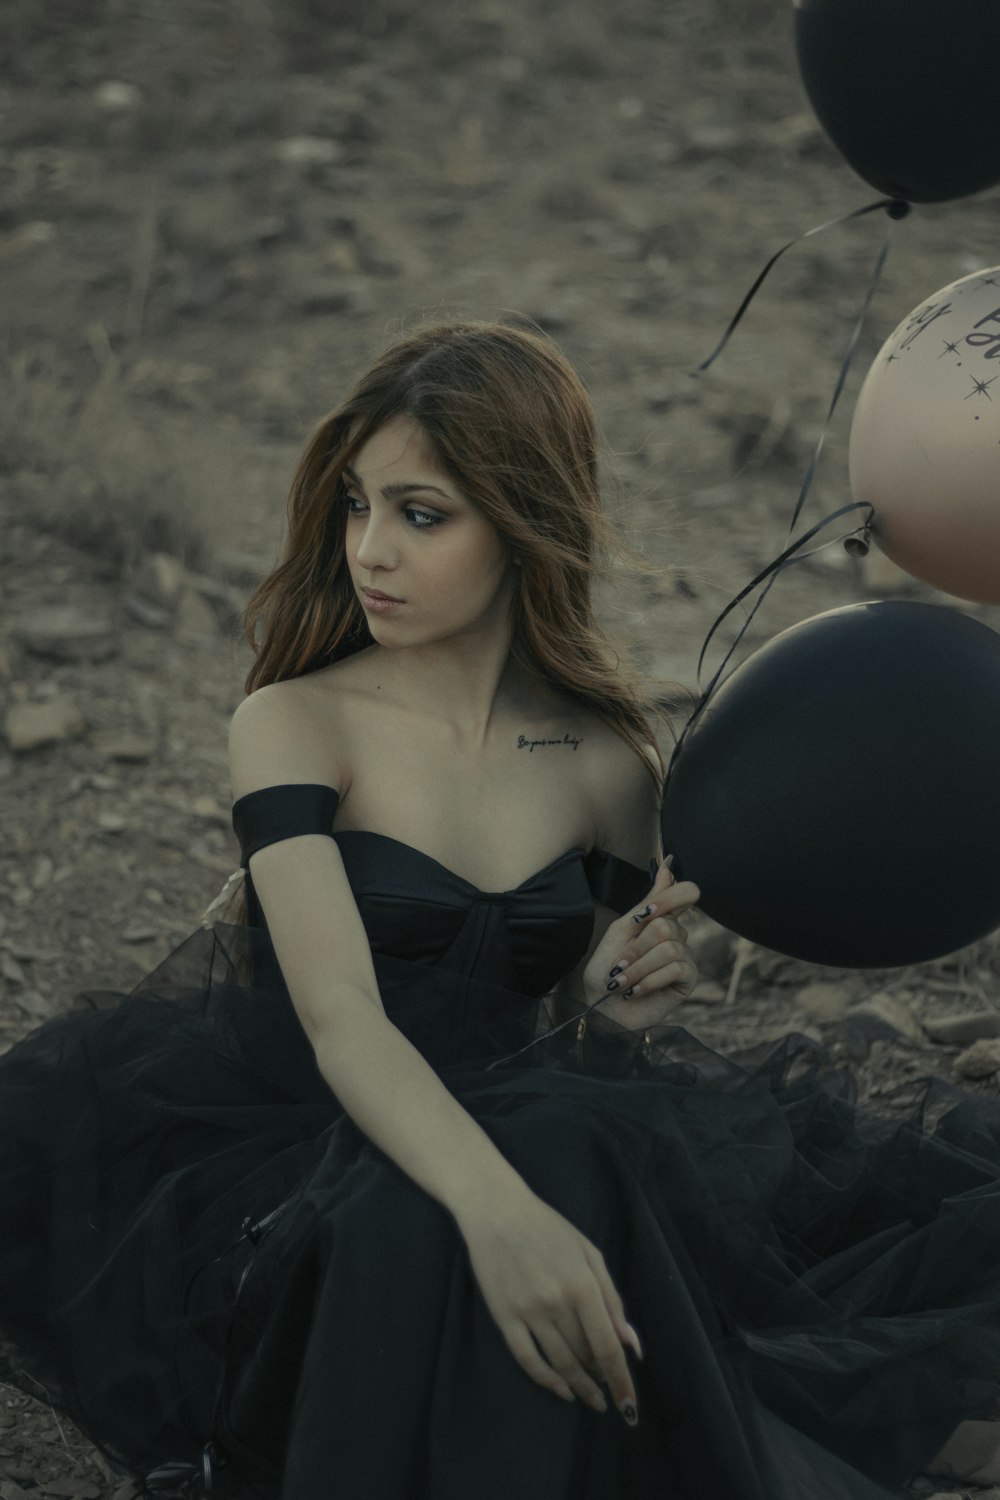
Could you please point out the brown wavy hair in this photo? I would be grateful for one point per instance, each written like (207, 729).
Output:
(510, 422)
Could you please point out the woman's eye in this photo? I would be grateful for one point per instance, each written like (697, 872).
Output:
(429, 519)
(425, 522)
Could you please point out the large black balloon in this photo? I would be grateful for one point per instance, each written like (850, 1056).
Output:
(907, 89)
(838, 799)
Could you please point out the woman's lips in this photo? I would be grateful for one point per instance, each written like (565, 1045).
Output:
(380, 603)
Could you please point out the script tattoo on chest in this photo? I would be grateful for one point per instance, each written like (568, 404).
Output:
(523, 743)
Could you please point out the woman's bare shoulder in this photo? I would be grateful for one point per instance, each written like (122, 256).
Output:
(330, 690)
(611, 746)
(624, 795)
(308, 720)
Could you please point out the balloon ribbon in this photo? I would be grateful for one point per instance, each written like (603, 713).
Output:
(896, 208)
(785, 560)
(857, 542)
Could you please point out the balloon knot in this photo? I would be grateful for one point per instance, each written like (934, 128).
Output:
(899, 209)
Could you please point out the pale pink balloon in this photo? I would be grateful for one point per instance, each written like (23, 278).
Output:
(925, 440)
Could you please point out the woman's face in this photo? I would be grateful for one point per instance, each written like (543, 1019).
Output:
(412, 534)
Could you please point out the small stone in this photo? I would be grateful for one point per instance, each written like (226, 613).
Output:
(329, 293)
(881, 1017)
(967, 1026)
(196, 619)
(241, 568)
(708, 992)
(714, 137)
(114, 95)
(207, 807)
(136, 748)
(268, 228)
(892, 1013)
(101, 783)
(10, 969)
(981, 1060)
(33, 1004)
(160, 578)
(29, 236)
(27, 726)
(139, 934)
(823, 1002)
(308, 150)
(66, 633)
(152, 616)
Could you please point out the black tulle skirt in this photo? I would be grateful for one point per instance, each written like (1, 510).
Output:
(206, 1264)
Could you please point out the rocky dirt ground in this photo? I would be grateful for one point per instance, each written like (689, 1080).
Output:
(210, 218)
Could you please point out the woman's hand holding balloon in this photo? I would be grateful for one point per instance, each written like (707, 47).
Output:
(641, 969)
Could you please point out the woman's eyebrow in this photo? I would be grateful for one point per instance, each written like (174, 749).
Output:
(398, 489)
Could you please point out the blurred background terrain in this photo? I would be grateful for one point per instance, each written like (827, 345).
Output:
(212, 216)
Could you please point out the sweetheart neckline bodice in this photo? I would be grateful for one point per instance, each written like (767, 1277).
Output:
(413, 905)
(576, 849)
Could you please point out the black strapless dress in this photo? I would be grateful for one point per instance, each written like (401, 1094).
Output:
(206, 1264)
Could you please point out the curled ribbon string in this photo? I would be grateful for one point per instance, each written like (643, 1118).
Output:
(544, 1037)
(770, 573)
(785, 559)
(844, 371)
(896, 208)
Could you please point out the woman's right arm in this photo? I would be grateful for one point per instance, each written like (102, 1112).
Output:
(541, 1278)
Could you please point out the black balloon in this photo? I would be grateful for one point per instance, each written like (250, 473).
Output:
(906, 89)
(838, 799)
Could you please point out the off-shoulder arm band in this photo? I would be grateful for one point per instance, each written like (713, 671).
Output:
(282, 812)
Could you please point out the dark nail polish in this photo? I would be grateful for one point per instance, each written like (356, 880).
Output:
(612, 986)
(641, 915)
(630, 1414)
(626, 993)
(616, 970)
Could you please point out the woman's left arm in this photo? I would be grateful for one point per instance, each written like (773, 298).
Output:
(637, 965)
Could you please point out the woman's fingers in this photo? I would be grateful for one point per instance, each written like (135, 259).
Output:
(609, 1356)
(570, 1353)
(519, 1341)
(656, 959)
(567, 1351)
(659, 972)
(664, 899)
(613, 1301)
(638, 1014)
(658, 931)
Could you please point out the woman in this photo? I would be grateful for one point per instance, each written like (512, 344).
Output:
(382, 1189)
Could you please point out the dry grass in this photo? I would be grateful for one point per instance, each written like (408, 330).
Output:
(94, 467)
